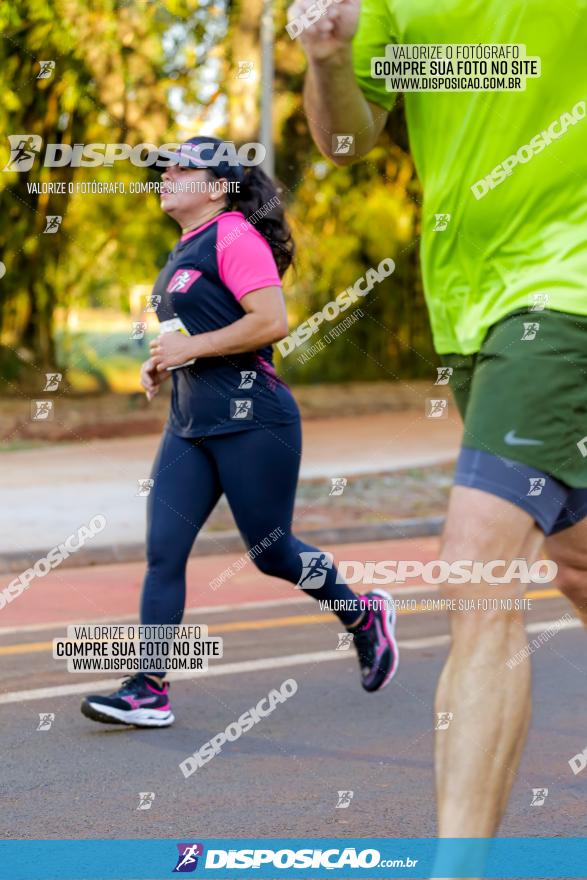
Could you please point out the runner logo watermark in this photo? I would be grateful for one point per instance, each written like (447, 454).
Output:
(247, 379)
(537, 484)
(145, 487)
(344, 799)
(139, 328)
(345, 640)
(24, 149)
(42, 410)
(244, 69)
(443, 720)
(539, 795)
(241, 409)
(443, 375)
(316, 566)
(530, 331)
(52, 223)
(338, 485)
(437, 408)
(539, 302)
(153, 300)
(441, 222)
(343, 145)
(46, 719)
(46, 71)
(146, 799)
(52, 381)
(187, 860)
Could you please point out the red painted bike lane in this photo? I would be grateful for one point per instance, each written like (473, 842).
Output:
(112, 591)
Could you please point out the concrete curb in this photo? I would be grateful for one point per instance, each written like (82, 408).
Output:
(213, 544)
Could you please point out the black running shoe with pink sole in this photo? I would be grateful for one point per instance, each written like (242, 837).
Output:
(375, 641)
(139, 702)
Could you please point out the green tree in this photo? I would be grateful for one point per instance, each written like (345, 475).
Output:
(120, 67)
(145, 71)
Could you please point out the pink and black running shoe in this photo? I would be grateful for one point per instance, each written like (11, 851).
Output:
(375, 641)
(139, 702)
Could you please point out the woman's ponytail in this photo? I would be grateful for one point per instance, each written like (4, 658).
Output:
(258, 199)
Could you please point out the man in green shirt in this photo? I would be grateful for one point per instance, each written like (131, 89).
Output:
(505, 280)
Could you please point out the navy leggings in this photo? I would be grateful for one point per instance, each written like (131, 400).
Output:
(257, 470)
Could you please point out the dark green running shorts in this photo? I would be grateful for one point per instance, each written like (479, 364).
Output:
(523, 399)
(523, 396)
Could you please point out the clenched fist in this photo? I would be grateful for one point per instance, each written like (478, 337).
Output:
(324, 27)
(151, 378)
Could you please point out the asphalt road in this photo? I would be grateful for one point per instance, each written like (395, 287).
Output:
(80, 779)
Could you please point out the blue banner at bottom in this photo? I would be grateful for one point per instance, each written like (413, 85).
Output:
(520, 857)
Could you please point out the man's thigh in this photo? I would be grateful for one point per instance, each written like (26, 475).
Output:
(568, 548)
(485, 522)
(484, 541)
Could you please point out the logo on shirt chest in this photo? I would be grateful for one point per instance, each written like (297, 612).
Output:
(182, 280)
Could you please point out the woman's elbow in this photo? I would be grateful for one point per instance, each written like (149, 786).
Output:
(278, 330)
(267, 329)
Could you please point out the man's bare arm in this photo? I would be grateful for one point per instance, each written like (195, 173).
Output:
(333, 101)
(335, 104)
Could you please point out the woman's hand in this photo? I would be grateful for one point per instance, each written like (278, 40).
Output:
(171, 350)
(151, 378)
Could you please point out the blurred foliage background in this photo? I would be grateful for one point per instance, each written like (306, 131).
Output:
(133, 71)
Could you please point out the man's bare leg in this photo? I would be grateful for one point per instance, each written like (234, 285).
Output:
(531, 553)
(477, 756)
(569, 550)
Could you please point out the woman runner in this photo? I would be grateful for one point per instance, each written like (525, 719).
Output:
(234, 426)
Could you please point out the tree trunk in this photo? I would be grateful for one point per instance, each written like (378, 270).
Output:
(243, 93)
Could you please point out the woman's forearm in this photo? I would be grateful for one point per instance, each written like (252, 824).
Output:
(249, 333)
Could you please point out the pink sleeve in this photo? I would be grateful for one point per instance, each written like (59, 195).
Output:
(245, 260)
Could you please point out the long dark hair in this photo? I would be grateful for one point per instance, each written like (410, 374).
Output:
(259, 200)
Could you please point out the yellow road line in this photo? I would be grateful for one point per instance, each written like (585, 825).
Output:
(264, 623)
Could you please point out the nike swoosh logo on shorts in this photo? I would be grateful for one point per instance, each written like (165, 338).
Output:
(511, 439)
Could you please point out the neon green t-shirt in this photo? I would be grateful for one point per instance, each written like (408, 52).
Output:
(527, 235)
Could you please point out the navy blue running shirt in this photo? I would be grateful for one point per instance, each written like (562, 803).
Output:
(207, 274)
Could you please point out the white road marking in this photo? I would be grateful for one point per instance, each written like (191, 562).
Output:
(111, 684)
